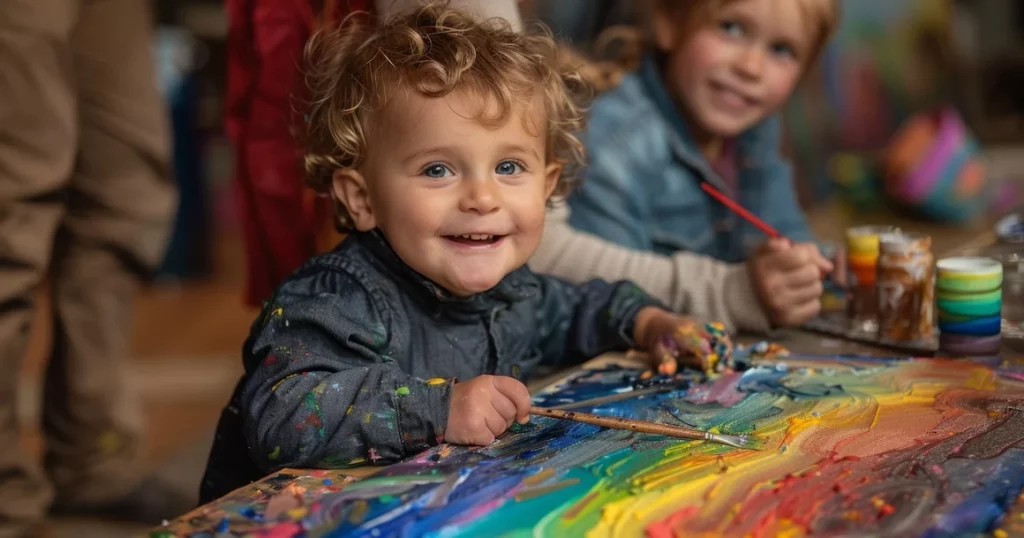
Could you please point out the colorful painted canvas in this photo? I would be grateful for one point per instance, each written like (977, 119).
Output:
(850, 447)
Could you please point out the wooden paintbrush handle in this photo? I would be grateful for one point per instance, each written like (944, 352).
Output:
(620, 423)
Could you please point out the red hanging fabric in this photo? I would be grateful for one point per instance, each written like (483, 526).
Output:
(283, 221)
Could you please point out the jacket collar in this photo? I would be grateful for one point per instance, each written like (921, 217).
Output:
(515, 287)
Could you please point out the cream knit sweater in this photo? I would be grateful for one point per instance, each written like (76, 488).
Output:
(691, 284)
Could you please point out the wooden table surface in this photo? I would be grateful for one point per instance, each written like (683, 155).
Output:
(829, 223)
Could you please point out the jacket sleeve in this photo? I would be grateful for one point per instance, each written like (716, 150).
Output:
(606, 203)
(580, 322)
(323, 390)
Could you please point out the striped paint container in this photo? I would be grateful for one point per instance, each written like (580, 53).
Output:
(934, 166)
(969, 300)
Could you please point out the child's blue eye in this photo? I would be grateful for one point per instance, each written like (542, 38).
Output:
(508, 168)
(783, 50)
(437, 171)
(732, 28)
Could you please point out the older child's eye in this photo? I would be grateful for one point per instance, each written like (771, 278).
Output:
(783, 50)
(731, 28)
(437, 171)
(509, 168)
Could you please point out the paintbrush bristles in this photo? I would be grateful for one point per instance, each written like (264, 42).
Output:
(640, 426)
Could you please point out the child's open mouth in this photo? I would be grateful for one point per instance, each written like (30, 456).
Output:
(475, 240)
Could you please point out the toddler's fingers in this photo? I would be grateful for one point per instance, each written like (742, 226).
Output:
(495, 424)
(504, 407)
(518, 394)
(695, 347)
(663, 355)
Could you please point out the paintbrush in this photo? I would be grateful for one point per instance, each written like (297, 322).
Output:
(745, 215)
(640, 426)
(619, 397)
(739, 210)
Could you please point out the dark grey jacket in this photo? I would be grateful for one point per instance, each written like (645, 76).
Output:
(353, 359)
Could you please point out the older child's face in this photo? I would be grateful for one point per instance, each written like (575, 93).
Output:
(738, 68)
(461, 202)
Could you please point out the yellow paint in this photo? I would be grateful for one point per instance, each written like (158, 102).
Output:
(298, 513)
(278, 384)
(981, 379)
(1000, 533)
(434, 381)
(349, 410)
(357, 461)
(359, 512)
(110, 442)
(539, 477)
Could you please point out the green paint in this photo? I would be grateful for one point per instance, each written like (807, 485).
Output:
(275, 454)
(402, 391)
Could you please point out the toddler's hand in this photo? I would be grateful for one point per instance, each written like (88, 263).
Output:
(671, 340)
(787, 279)
(484, 407)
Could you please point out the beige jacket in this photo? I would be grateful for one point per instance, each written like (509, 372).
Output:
(691, 284)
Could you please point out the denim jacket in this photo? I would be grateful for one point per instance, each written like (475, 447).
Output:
(642, 187)
(352, 361)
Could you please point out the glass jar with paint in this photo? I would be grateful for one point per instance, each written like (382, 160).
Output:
(862, 263)
(906, 288)
(1011, 256)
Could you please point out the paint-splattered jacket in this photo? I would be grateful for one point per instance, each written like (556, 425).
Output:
(353, 360)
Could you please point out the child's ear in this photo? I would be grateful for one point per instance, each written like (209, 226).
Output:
(349, 187)
(551, 175)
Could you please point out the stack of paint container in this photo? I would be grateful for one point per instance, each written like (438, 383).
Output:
(969, 292)
(862, 257)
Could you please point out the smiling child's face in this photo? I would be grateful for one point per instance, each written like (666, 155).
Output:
(737, 68)
(461, 202)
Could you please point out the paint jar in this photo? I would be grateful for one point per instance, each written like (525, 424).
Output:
(970, 300)
(862, 263)
(1011, 256)
(906, 288)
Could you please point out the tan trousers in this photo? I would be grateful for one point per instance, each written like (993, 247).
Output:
(86, 201)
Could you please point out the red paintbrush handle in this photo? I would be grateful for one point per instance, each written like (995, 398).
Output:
(736, 208)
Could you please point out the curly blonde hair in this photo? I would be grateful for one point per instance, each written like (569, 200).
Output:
(435, 50)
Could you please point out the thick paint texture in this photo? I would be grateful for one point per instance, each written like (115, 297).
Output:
(850, 447)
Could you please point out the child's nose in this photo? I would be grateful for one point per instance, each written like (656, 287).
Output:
(478, 196)
(751, 62)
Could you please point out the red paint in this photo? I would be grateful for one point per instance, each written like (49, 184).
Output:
(665, 528)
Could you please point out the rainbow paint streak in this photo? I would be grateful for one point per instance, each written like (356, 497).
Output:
(911, 448)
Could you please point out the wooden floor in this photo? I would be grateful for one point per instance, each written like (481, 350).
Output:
(184, 361)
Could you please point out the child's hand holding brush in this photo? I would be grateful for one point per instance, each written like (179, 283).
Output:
(672, 340)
